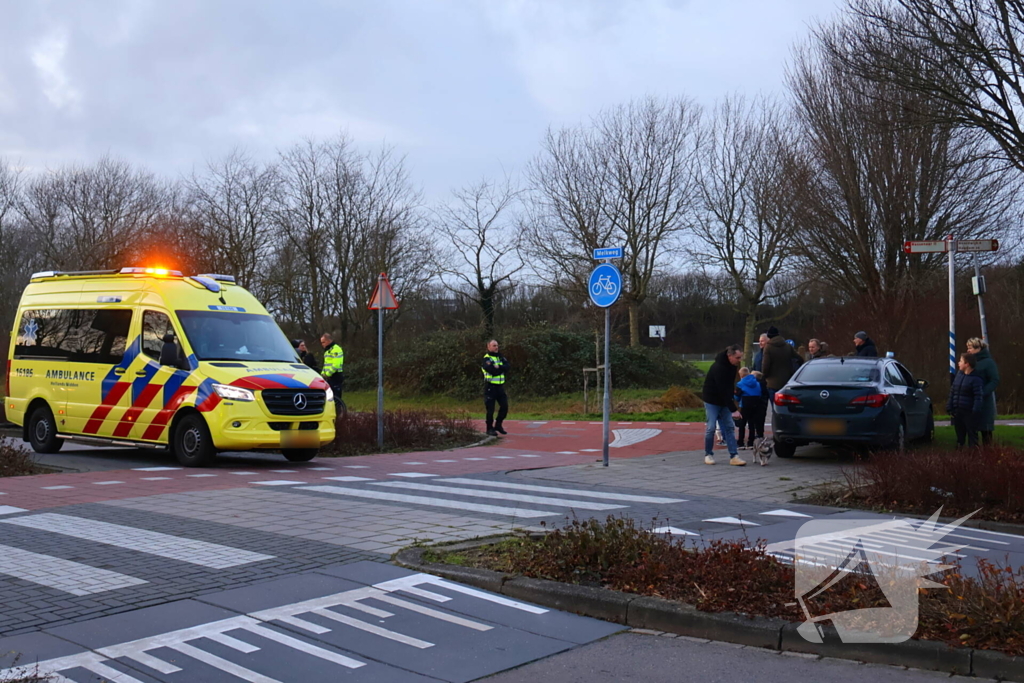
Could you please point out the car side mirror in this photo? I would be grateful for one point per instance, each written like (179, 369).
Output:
(922, 384)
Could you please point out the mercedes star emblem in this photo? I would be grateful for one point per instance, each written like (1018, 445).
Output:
(299, 401)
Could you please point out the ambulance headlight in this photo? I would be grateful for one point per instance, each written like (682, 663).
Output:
(330, 395)
(230, 393)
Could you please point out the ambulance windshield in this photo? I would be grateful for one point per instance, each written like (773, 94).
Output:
(229, 336)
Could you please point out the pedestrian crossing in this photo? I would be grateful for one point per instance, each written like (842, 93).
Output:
(533, 501)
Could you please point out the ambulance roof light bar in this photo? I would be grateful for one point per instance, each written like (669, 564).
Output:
(217, 276)
(151, 271)
(70, 273)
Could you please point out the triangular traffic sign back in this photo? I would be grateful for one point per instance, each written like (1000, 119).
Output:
(383, 297)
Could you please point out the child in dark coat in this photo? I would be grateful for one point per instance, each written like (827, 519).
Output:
(966, 397)
(753, 400)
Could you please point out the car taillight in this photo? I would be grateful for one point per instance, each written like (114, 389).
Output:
(786, 399)
(870, 401)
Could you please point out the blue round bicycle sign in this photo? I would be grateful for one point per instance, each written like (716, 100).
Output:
(605, 285)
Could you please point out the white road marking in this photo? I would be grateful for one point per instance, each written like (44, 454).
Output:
(474, 458)
(673, 531)
(320, 469)
(278, 482)
(446, 461)
(205, 554)
(156, 478)
(501, 495)
(568, 423)
(414, 462)
(356, 467)
(568, 452)
(410, 475)
(502, 457)
(590, 450)
(349, 478)
(409, 583)
(783, 513)
(245, 473)
(552, 489)
(61, 488)
(200, 475)
(156, 469)
(106, 483)
(433, 502)
(731, 520)
(370, 628)
(10, 510)
(629, 437)
(225, 665)
(528, 455)
(64, 575)
(283, 471)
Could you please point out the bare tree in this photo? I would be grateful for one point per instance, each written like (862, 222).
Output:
(479, 239)
(964, 54)
(626, 180)
(885, 171)
(17, 252)
(229, 208)
(749, 180)
(94, 217)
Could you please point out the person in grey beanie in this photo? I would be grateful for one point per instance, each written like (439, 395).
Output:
(865, 347)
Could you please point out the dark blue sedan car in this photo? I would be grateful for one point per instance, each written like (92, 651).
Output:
(851, 401)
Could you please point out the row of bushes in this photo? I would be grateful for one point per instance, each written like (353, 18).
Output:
(404, 430)
(986, 612)
(543, 361)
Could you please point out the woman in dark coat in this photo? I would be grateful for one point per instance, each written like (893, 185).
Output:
(988, 371)
(965, 401)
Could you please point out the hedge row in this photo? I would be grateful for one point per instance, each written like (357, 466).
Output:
(544, 361)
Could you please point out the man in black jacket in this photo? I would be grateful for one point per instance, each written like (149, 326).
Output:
(865, 347)
(719, 403)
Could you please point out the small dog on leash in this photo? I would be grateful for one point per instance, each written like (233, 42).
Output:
(763, 449)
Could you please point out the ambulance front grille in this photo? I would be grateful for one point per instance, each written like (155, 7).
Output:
(286, 401)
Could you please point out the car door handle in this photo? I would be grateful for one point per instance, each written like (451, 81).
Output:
(118, 371)
(140, 373)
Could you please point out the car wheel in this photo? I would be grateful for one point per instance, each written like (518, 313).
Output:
(929, 430)
(785, 450)
(42, 431)
(192, 443)
(300, 454)
(899, 440)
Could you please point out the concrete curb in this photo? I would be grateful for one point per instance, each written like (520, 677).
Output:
(485, 440)
(669, 616)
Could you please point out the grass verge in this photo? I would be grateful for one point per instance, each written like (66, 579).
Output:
(985, 612)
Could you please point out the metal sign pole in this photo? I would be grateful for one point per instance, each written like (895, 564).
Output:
(607, 380)
(380, 369)
(952, 309)
(981, 299)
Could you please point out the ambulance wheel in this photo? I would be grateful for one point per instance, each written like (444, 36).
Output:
(192, 443)
(300, 454)
(42, 431)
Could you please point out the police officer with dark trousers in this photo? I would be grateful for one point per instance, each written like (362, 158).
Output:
(494, 367)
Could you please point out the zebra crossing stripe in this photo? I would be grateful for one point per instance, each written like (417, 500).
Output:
(425, 500)
(64, 575)
(202, 553)
(500, 495)
(553, 489)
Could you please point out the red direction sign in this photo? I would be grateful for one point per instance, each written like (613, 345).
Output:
(383, 296)
(926, 246)
(977, 245)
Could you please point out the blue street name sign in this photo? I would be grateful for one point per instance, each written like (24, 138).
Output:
(608, 252)
(605, 285)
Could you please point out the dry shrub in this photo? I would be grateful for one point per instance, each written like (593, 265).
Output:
(404, 430)
(960, 482)
(15, 459)
(984, 612)
(679, 398)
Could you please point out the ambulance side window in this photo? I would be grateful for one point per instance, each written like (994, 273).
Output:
(76, 335)
(154, 326)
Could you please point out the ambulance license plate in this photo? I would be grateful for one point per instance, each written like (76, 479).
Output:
(300, 438)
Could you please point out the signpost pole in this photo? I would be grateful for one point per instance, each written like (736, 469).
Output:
(380, 369)
(607, 382)
(952, 309)
(981, 299)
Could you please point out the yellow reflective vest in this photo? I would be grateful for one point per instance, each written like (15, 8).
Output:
(493, 367)
(334, 360)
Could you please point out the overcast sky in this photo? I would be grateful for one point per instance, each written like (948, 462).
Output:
(463, 88)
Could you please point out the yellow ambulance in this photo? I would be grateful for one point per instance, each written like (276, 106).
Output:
(153, 358)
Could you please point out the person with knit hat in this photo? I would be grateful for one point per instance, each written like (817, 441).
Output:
(865, 348)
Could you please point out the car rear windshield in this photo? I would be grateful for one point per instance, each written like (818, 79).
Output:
(837, 372)
(246, 337)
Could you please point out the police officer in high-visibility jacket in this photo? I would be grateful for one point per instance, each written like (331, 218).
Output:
(334, 365)
(494, 367)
